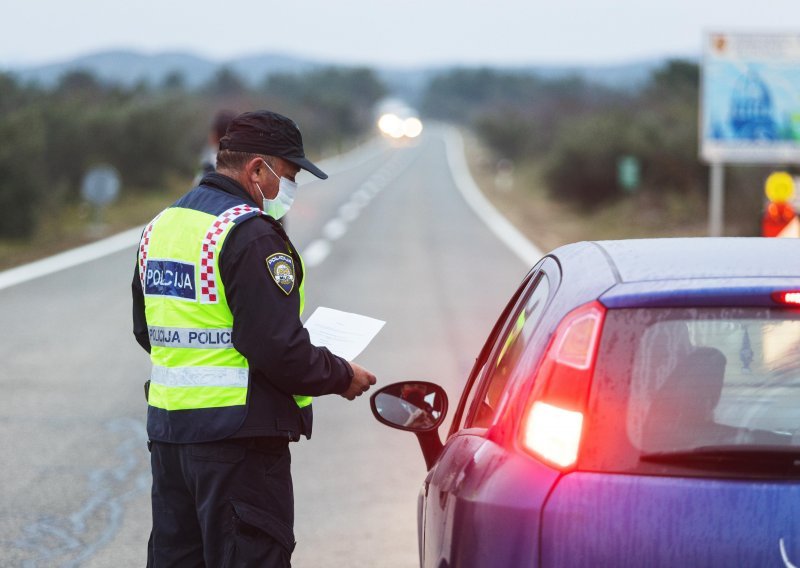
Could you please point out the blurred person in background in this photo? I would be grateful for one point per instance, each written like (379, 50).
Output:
(217, 296)
(208, 157)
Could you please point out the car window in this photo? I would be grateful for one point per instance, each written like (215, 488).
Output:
(675, 380)
(507, 352)
(479, 368)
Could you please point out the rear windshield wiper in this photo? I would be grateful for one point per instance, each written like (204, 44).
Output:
(770, 459)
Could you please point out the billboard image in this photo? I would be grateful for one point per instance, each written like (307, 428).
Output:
(750, 108)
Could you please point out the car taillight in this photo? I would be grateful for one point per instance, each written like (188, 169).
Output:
(577, 345)
(788, 298)
(553, 426)
(554, 433)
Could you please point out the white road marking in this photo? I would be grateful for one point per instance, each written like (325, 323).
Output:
(349, 212)
(373, 188)
(519, 244)
(316, 252)
(334, 229)
(73, 257)
(361, 197)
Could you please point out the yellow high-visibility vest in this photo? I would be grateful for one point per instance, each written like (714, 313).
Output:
(196, 369)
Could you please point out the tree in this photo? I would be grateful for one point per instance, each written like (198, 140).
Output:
(509, 132)
(174, 81)
(676, 79)
(79, 82)
(225, 83)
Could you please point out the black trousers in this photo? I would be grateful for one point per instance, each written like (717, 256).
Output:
(222, 504)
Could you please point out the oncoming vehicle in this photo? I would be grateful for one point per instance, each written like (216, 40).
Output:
(636, 404)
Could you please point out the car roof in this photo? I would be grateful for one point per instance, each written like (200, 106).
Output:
(637, 260)
(702, 271)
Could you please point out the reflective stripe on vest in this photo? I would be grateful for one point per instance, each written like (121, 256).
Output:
(187, 388)
(200, 376)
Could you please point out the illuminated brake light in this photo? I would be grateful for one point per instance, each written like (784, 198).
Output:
(554, 420)
(787, 298)
(554, 433)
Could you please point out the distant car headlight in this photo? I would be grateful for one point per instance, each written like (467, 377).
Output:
(391, 125)
(412, 127)
(396, 127)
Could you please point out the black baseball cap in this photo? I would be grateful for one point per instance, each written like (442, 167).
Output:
(269, 133)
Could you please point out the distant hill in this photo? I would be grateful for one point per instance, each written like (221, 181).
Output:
(128, 68)
(630, 76)
(409, 83)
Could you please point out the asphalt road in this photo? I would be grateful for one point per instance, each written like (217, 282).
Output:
(389, 236)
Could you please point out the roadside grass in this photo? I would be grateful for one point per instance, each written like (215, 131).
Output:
(550, 223)
(66, 226)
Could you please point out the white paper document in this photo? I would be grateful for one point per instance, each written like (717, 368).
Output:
(345, 334)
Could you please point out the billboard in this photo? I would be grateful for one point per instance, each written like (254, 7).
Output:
(750, 102)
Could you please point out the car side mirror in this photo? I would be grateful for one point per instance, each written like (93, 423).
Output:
(414, 406)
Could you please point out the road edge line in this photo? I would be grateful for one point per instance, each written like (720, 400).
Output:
(72, 257)
(518, 243)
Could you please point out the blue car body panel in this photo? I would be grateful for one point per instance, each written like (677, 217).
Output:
(487, 503)
(596, 519)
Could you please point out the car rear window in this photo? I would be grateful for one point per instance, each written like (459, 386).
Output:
(674, 384)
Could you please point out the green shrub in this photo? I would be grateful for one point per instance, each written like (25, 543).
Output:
(582, 165)
(22, 180)
(509, 132)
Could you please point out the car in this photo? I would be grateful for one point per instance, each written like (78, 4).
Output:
(637, 403)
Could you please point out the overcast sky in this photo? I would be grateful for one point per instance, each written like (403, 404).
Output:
(397, 33)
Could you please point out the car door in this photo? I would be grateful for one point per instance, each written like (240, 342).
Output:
(451, 514)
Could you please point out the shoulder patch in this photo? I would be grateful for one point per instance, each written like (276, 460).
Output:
(281, 267)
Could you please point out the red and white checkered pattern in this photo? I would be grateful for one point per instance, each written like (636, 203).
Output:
(144, 247)
(208, 279)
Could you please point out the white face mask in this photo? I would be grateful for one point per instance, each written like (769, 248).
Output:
(287, 190)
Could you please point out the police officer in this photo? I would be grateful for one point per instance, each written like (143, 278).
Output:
(217, 297)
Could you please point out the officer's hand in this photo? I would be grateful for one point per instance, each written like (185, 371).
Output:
(362, 380)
